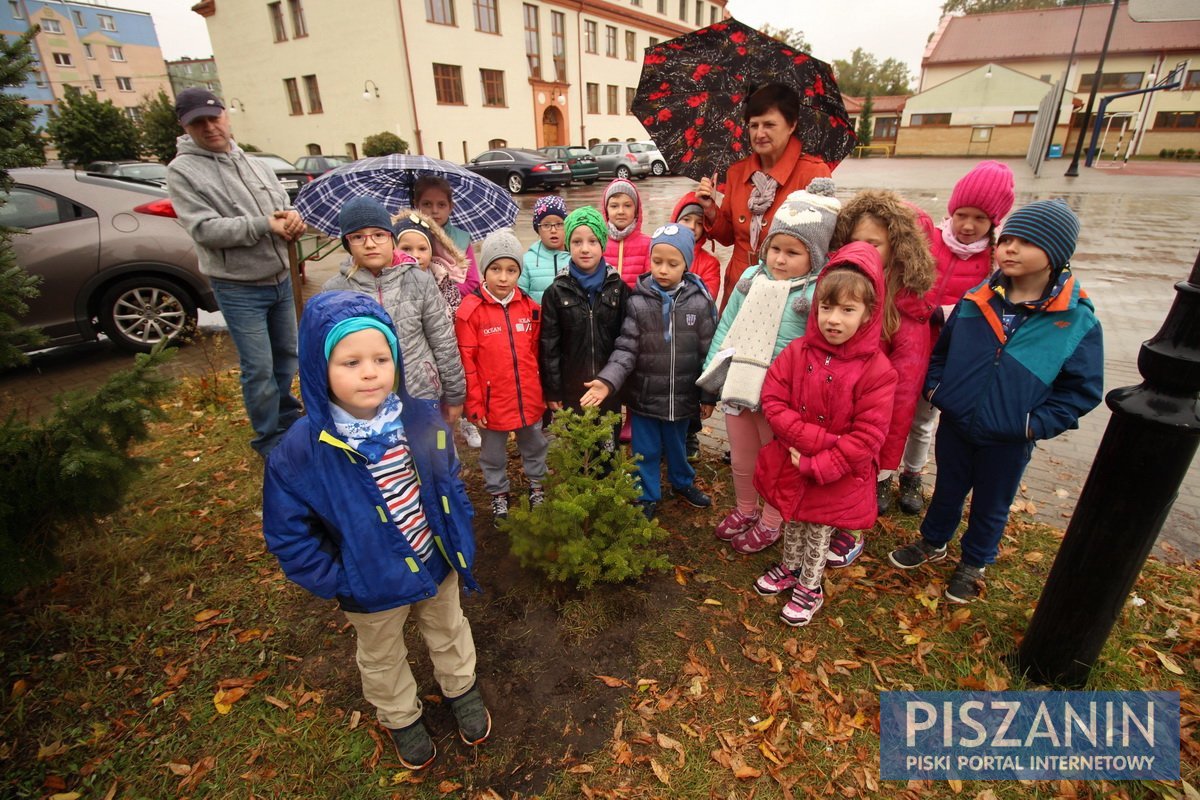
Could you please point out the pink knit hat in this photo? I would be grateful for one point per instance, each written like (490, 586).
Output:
(988, 187)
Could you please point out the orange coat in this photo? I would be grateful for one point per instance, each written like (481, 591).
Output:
(732, 226)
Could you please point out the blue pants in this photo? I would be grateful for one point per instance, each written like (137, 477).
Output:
(262, 323)
(992, 473)
(652, 439)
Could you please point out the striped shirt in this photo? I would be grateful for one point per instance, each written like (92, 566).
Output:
(401, 489)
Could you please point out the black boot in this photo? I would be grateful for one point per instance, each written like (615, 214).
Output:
(912, 498)
(883, 495)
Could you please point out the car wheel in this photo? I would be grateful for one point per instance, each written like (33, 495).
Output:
(659, 169)
(589, 181)
(515, 183)
(623, 173)
(138, 313)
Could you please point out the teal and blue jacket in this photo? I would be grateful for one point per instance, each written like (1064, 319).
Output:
(1003, 372)
(324, 517)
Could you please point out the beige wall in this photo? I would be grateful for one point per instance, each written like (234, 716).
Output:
(1169, 140)
(957, 140)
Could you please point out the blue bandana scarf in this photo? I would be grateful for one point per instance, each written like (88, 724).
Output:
(371, 438)
(592, 282)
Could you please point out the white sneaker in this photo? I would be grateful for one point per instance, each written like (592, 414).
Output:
(470, 433)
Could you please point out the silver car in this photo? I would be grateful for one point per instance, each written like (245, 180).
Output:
(112, 257)
(621, 160)
(658, 164)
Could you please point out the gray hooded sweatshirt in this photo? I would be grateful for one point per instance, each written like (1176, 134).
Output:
(225, 201)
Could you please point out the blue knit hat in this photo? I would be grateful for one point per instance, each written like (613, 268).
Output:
(362, 212)
(550, 205)
(678, 236)
(1048, 224)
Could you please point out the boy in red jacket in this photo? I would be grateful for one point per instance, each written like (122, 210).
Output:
(498, 327)
(828, 398)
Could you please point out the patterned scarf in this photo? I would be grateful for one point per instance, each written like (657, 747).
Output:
(762, 197)
(373, 437)
(668, 299)
(963, 251)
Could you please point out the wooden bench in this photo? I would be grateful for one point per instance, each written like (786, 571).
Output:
(866, 150)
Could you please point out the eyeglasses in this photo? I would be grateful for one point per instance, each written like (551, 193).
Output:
(378, 237)
(551, 226)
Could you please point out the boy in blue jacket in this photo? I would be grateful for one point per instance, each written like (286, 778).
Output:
(362, 502)
(1020, 359)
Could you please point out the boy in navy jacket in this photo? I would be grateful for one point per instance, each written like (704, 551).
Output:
(1020, 359)
(362, 502)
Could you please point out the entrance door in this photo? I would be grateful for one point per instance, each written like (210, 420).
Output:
(551, 127)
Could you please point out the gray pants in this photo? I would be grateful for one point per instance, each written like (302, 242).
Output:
(493, 456)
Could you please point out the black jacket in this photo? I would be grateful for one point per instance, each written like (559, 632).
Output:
(659, 376)
(577, 337)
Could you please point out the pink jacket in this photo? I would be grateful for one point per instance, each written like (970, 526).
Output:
(630, 256)
(955, 276)
(833, 404)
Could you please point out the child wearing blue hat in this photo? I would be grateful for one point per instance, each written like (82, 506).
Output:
(1020, 359)
(669, 324)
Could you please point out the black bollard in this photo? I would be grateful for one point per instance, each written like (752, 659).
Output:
(1143, 458)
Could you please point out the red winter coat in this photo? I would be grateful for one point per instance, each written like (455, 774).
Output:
(499, 348)
(704, 264)
(955, 275)
(630, 256)
(833, 404)
(908, 351)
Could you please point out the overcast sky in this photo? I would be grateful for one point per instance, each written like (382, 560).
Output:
(886, 28)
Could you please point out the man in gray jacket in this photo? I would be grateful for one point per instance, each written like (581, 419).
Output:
(240, 218)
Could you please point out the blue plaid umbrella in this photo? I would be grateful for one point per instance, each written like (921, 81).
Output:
(480, 206)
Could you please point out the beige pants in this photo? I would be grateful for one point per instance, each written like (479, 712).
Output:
(382, 656)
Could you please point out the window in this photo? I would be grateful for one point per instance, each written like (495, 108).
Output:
(593, 98)
(1024, 117)
(610, 41)
(277, 26)
(631, 45)
(293, 96)
(124, 84)
(558, 33)
(493, 143)
(134, 113)
(97, 83)
(115, 53)
(15, 8)
(62, 59)
(533, 45)
(885, 127)
(51, 25)
(299, 27)
(683, 10)
(712, 15)
(1177, 119)
(27, 208)
(439, 12)
(1112, 81)
(919, 120)
(485, 16)
(493, 87)
(1192, 81)
(635, 3)
(699, 13)
(612, 100)
(447, 83)
(87, 51)
(314, 94)
(653, 41)
(79, 20)
(629, 94)
(662, 6)
(590, 38)
(1045, 77)
(107, 23)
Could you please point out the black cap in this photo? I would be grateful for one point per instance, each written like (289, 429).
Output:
(191, 104)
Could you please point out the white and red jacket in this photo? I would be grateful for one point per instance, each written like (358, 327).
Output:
(498, 343)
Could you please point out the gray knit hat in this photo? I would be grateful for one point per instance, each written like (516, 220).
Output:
(500, 243)
(809, 215)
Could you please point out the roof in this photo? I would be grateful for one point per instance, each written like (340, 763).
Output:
(1048, 32)
(883, 104)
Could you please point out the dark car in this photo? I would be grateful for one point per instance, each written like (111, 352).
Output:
(112, 257)
(291, 177)
(150, 171)
(316, 166)
(517, 169)
(579, 159)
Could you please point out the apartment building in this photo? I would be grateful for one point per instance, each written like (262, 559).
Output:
(450, 77)
(111, 51)
(200, 73)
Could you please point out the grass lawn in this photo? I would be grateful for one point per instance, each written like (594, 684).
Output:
(171, 658)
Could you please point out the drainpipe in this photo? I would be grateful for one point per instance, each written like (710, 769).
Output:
(579, 80)
(412, 95)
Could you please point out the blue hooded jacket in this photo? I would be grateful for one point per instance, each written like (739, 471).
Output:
(324, 517)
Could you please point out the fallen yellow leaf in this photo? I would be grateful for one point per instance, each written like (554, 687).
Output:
(708, 601)
(762, 724)
(206, 615)
(1168, 662)
(661, 772)
(224, 699)
(609, 680)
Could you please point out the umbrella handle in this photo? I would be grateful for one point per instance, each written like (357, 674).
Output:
(294, 271)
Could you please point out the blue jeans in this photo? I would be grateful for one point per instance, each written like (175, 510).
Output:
(652, 439)
(262, 322)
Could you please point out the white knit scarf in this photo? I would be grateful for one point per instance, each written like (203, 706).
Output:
(752, 338)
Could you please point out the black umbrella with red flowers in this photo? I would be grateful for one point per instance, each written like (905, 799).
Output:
(691, 96)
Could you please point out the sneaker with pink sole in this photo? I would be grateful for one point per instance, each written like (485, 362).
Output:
(776, 580)
(735, 522)
(760, 537)
(803, 606)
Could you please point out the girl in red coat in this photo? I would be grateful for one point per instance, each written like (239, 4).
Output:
(962, 248)
(498, 327)
(628, 249)
(828, 398)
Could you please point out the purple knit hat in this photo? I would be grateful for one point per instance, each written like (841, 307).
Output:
(550, 205)
(988, 187)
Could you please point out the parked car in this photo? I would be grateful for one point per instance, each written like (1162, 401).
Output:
(291, 177)
(112, 257)
(316, 166)
(658, 163)
(150, 171)
(517, 169)
(620, 160)
(579, 159)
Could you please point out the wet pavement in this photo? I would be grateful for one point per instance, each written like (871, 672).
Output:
(1138, 239)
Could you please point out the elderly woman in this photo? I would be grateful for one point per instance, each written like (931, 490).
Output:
(756, 186)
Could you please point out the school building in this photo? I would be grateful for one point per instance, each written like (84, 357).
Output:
(450, 77)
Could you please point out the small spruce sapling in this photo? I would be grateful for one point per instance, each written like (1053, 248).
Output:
(590, 527)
